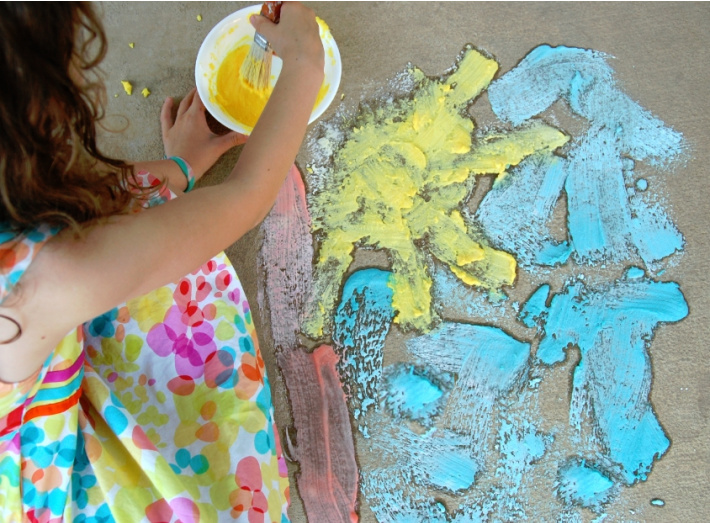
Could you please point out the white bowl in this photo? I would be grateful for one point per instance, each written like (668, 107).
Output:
(235, 30)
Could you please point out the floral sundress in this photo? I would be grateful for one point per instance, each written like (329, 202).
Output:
(158, 410)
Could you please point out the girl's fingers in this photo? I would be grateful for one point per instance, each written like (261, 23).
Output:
(239, 138)
(198, 104)
(166, 116)
(223, 143)
(229, 140)
(185, 103)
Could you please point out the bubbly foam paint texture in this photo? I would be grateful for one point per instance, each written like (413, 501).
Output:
(582, 484)
(611, 215)
(399, 183)
(487, 362)
(448, 450)
(457, 426)
(611, 326)
(362, 322)
(415, 393)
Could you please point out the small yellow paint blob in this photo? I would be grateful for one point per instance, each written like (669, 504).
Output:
(199, 18)
(127, 87)
(145, 92)
(131, 45)
(325, 29)
(115, 95)
(235, 97)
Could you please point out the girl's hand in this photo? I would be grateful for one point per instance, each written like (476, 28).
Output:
(189, 137)
(296, 38)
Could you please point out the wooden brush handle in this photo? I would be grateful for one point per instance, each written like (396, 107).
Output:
(272, 11)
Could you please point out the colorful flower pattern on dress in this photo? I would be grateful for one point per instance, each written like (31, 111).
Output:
(17, 252)
(157, 410)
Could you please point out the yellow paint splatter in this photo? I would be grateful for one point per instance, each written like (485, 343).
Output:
(400, 182)
(131, 45)
(199, 18)
(145, 92)
(127, 87)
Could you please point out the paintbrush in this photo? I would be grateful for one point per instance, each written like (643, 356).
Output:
(256, 68)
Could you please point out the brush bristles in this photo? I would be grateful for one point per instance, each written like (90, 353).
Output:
(256, 69)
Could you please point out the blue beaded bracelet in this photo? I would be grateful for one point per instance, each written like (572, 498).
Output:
(186, 170)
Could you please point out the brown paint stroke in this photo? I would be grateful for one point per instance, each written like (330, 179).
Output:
(328, 478)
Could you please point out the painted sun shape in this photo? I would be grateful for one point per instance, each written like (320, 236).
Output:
(400, 182)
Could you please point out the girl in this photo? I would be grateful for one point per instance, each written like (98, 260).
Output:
(159, 409)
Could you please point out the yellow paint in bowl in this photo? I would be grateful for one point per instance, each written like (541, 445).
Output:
(218, 81)
(235, 97)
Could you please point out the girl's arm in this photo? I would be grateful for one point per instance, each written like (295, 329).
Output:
(72, 281)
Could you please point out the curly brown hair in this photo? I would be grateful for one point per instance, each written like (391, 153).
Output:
(51, 97)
